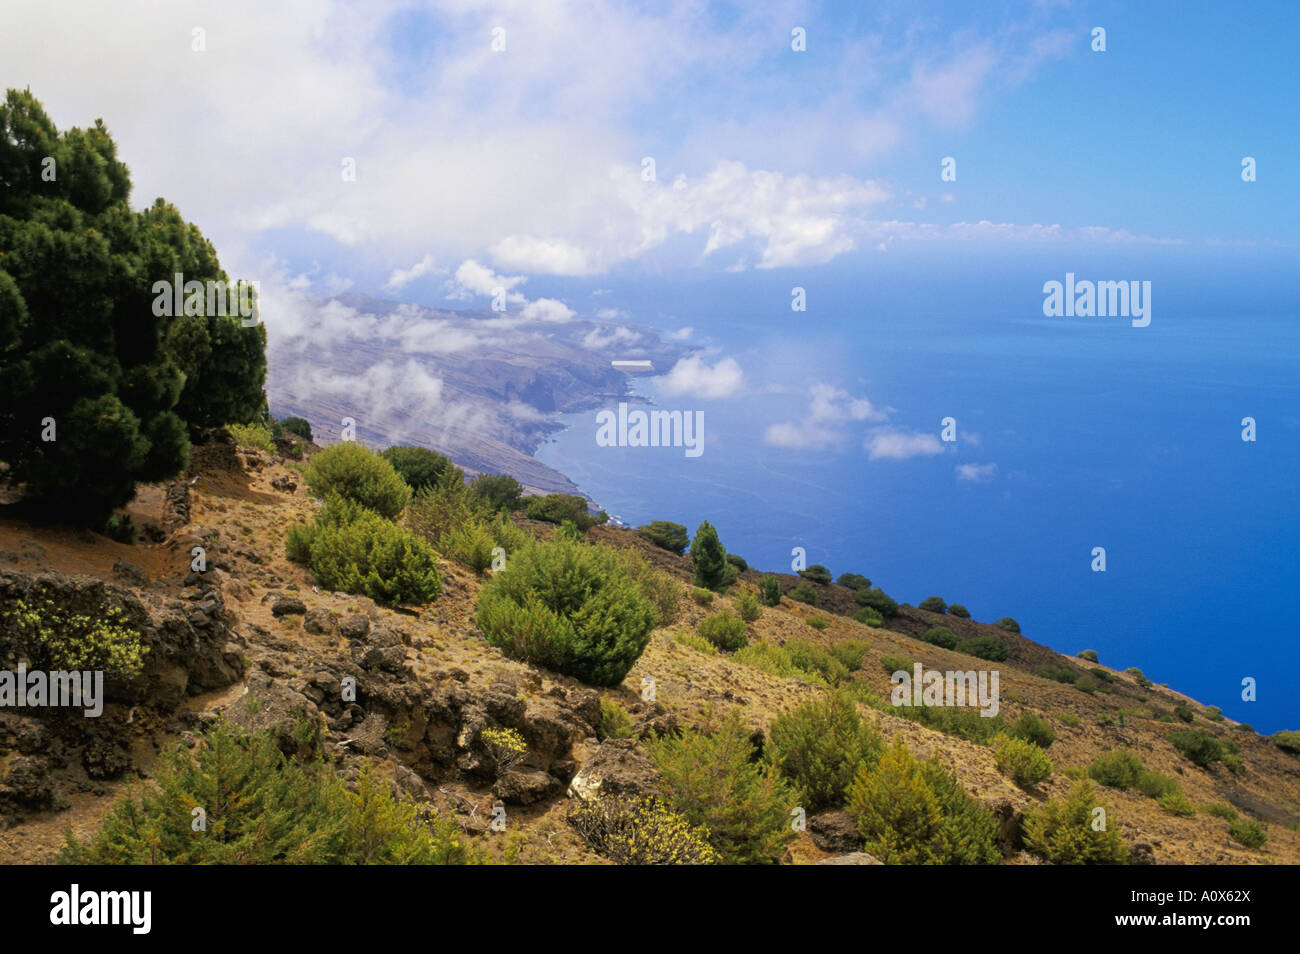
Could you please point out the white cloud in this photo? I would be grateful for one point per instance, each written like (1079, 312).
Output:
(681, 334)
(896, 445)
(401, 277)
(473, 279)
(976, 473)
(598, 339)
(547, 309)
(524, 253)
(693, 376)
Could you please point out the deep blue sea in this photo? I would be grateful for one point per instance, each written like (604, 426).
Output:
(1103, 435)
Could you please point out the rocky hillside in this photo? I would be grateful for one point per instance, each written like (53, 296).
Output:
(253, 641)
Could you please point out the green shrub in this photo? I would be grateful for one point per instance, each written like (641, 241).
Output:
(738, 562)
(1153, 784)
(121, 528)
(748, 607)
(933, 604)
(818, 622)
(769, 590)
(640, 831)
(1034, 728)
(1200, 747)
(850, 653)
(359, 475)
(910, 813)
(696, 642)
(956, 609)
(262, 808)
(1176, 802)
(817, 573)
(1214, 713)
(1288, 740)
(1009, 624)
(1021, 761)
(1221, 810)
(984, 647)
(499, 493)
(716, 783)
(1248, 832)
(723, 630)
(869, 617)
(1244, 727)
(1119, 768)
(820, 746)
(614, 722)
(775, 661)
(298, 426)
(959, 722)
(1086, 683)
(876, 599)
(1090, 655)
(440, 509)
(941, 636)
(1057, 673)
(471, 545)
(1138, 677)
(556, 508)
(51, 638)
(1062, 832)
(665, 534)
(1102, 675)
(804, 592)
(353, 550)
(252, 435)
(1184, 713)
(1068, 718)
(702, 596)
(419, 467)
(810, 657)
(568, 530)
(710, 559)
(854, 581)
(568, 607)
(660, 588)
(892, 663)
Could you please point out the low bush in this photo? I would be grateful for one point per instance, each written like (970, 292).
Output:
(876, 599)
(1009, 624)
(1086, 683)
(1200, 747)
(1138, 677)
(804, 592)
(1021, 761)
(1034, 728)
(817, 573)
(662, 590)
(1184, 713)
(1220, 810)
(353, 550)
(359, 475)
(820, 746)
(1119, 768)
(1068, 718)
(1057, 673)
(1090, 655)
(748, 607)
(297, 425)
(941, 636)
(892, 663)
(775, 661)
(850, 653)
(1062, 831)
(933, 604)
(769, 590)
(916, 813)
(665, 534)
(499, 493)
(854, 581)
(556, 508)
(640, 831)
(738, 562)
(701, 596)
(984, 647)
(956, 609)
(1249, 833)
(569, 607)
(723, 630)
(1214, 713)
(252, 435)
(715, 781)
(869, 617)
(1288, 740)
(1153, 784)
(1176, 802)
(818, 622)
(263, 808)
(51, 638)
(810, 657)
(614, 722)
(419, 467)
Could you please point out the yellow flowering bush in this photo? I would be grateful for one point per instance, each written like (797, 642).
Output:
(55, 639)
(645, 831)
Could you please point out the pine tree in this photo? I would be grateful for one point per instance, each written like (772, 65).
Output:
(709, 557)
